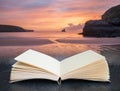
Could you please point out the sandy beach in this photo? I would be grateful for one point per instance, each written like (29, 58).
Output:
(100, 41)
(24, 41)
(59, 48)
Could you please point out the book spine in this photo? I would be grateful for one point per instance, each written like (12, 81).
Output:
(59, 81)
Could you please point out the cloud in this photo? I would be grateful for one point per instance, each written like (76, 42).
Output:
(72, 27)
(52, 14)
(23, 4)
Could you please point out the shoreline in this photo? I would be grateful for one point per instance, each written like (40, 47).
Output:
(95, 41)
(56, 45)
(24, 42)
(44, 41)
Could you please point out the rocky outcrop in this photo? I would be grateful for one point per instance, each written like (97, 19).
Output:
(100, 28)
(112, 15)
(10, 28)
(108, 26)
(63, 30)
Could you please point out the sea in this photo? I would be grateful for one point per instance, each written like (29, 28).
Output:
(41, 34)
(54, 43)
(59, 45)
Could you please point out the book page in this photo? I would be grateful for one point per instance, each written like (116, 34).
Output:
(79, 60)
(40, 60)
(97, 71)
(21, 74)
(23, 66)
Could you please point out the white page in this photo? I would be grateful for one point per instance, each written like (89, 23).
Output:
(79, 60)
(40, 60)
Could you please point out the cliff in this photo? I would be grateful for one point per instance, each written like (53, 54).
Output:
(108, 26)
(11, 28)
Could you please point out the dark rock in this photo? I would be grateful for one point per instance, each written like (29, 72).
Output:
(96, 23)
(63, 30)
(109, 26)
(99, 28)
(29, 30)
(112, 15)
(11, 28)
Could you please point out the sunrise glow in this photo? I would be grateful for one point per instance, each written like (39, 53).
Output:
(51, 15)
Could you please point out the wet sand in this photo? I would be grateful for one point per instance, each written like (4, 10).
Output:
(101, 41)
(59, 49)
(23, 41)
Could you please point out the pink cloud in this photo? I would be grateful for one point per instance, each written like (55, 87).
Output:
(73, 27)
(51, 14)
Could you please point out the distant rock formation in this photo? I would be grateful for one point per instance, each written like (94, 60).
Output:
(108, 26)
(112, 15)
(11, 28)
(63, 30)
(100, 28)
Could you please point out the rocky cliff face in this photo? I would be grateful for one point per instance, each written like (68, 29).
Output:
(108, 26)
(112, 15)
(10, 28)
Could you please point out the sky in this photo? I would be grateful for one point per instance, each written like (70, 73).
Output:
(52, 15)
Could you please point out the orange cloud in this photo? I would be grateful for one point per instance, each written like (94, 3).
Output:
(51, 14)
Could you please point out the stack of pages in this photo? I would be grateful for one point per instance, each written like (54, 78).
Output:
(87, 65)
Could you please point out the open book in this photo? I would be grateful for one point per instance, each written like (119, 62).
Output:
(87, 65)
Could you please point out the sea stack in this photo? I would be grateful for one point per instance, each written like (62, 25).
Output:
(63, 30)
(108, 26)
(11, 28)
